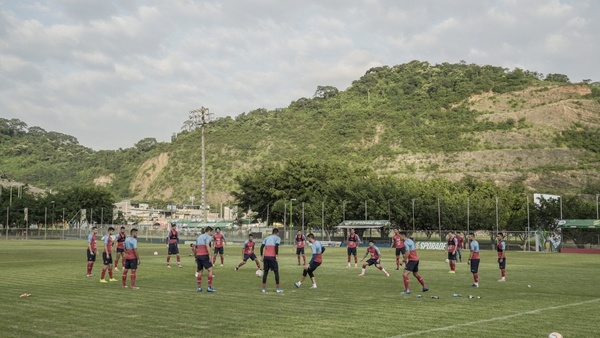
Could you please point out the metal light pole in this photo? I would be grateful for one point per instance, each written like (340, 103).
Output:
(496, 215)
(291, 215)
(597, 207)
(389, 212)
(413, 214)
(201, 118)
(344, 210)
(366, 214)
(439, 218)
(52, 213)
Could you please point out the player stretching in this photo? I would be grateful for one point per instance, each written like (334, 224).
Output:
(501, 248)
(203, 259)
(91, 251)
(474, 259)
(219, 242)
(412, 265)
(268, 253)
(107, 257)
(353, 242)
(399, 244)
(132, 259)
(299, 245)
(315, 261)
(451, 251)
(172, 244)
(120, 248)
(248, 253)
(375, 257)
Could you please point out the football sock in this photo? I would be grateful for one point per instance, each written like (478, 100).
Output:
(199, 278)
(168, 260)
(476, 277)
(103, 273)
(133, 275)
(405, 279)
(210, 278)
(420, 279)
(124, 277)
(110, 273)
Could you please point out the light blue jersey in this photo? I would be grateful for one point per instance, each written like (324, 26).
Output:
(474, 246)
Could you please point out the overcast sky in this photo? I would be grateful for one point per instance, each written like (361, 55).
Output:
(114, 72)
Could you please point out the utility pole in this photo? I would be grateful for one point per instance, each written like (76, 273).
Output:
(201, 118)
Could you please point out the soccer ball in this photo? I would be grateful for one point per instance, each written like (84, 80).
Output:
(555, 335)
(447, 260)
(259, 273)
(155, 253)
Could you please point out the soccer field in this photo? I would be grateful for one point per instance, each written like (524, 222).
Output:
(564, 296)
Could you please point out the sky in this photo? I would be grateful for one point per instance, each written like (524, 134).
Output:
(112, 73)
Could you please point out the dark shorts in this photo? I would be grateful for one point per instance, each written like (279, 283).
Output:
(474, 265)
(371, 262)
(351, 251)
(502, 263)
(271, 264)
(90, 256)
(400, 251)
(299, 251)
(120, 250)
(313, 266)
(131, 264)
(107, 258)
(452, 256)
(203, 262)
(219, 250)
(412, 266)
(173, 249)
(250, 256)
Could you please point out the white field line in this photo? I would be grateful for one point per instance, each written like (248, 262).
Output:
(532, 312)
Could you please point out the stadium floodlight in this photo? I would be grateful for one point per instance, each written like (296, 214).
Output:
(200, 118)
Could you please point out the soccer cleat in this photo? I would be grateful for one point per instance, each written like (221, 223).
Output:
(237, 268)
(279, 291)
(199, 289)
(502, 279)
(103, 281)
(425, 289)
(124, 286)
(406, 292)
(451, 271)
(89, 275)
(112, 280)
(475, 285)
(361, 274)
(387, 274)
(264, 290)
(297, 284)
(314, 286)
(348, 265)
(179, 266)
(397, 268)
(133, 287)
(210, 289)
(168, 266)
(221, 264)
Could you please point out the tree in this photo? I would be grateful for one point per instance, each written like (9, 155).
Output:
(326, 92)
(557, 78)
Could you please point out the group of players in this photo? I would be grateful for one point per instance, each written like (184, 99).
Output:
(406, 254)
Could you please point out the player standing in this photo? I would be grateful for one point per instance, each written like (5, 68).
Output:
(219, 242)
(474, 259)
(172, 244)
(203, 259)
(315, 262)
(412, 264)
(460, 238)
(398, 243)
(248, 253)
(501, 248)
(373, 250)
(452, 244)
(299, 245)
(269, 250)
(121, 236)
(353, 242)
(132, 259)
(107, 257)
(91, 251)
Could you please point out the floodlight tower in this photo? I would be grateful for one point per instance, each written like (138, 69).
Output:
(201, 118)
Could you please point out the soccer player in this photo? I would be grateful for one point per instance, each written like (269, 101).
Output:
(412, 264)
(107, 257)
(451, 251)
(219, 242)
(203, 259)
(172, 244)
(399, 244)
(121, 236)
(91, 251)
(299, 245)
(132, 259)
(373, 250)
(315, 262)
(353, 242)
(460, 238)
(248, 253)
(474, 259)
(501, 248)
(269, 250)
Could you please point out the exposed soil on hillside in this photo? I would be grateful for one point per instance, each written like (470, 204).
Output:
(147, 173)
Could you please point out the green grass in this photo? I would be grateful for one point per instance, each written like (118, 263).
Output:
(563, 297)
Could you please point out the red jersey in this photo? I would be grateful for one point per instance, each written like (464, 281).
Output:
(353, 241)
(452, 244)
(300, 241)
(121, 240)
(173, 237)
(501, 249)
(92, 241)
(108, 242)
(374, 251)
(459, 239)
(249, 247)
(218, 238)
(398, 241)
(410, 246)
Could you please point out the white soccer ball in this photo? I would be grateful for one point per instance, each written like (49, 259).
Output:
(155, 253)
(447, 260)
(259, 273)
(555, 335)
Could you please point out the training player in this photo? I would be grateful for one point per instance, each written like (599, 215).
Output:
(501, 248)
(121, 236)
(132, 259)
(269, 250)
(374, 260)
(353, 242)
(474, 259)
(91, 251)
(315, 261)
(248, 253)
(460, 238)
(172, 244)
(203, 259)
(412, 264)
(398, 243)
(451, 251)
(107, 257)
(299, 245)
(219, 242)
